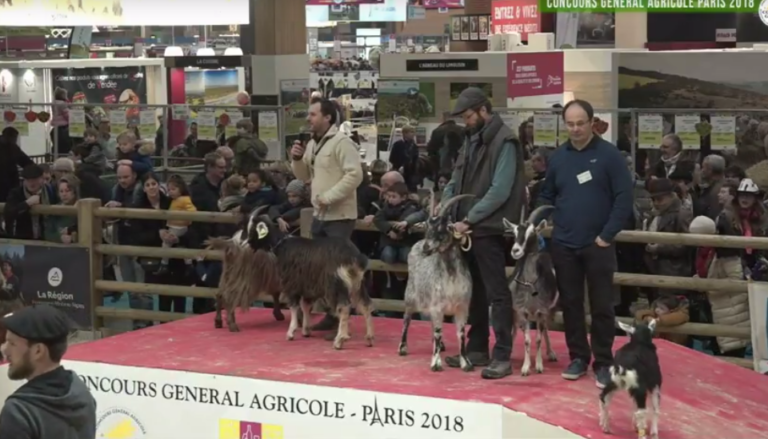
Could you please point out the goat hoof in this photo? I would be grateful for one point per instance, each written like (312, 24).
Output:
(289, 337)
(552, 357)
(437, 368)
(234, 329)
(442, 347)
(305, 333)
(468, 367)
(369, 341)
(217, 324)
(539, 369)
(338, 346)
(402, 350)
(525, 372)
(278, 315)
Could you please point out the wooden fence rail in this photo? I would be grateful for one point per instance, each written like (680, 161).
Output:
(92, 218)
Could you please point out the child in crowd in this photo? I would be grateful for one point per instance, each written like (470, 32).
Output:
(232, 193)
(133, 153)
(404, 212)
(261, 190)
(91, 154)
(180, 202)
(46, 173)
(289, 212)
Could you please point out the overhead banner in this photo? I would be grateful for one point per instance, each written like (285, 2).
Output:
(55, 276)
(437, 4)
(122, 13)
(534, 74)
(521, 16)
(116, 85)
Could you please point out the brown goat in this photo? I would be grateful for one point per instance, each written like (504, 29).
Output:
(247, 274)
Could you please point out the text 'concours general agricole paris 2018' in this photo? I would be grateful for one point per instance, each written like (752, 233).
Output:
(680, 6)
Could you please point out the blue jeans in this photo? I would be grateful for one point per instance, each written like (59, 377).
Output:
(130, 271)
(393, 255)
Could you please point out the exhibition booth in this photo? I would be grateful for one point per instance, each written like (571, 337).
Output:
(26, 86)
(424, 87)
(197, 81)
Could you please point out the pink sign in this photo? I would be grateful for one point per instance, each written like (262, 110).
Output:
(521, 16)
(534, 74)
(436, 4)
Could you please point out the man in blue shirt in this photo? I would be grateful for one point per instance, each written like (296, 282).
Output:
(591, 188)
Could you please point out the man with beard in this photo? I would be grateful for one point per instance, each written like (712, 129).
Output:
(490, 167)
(54, 403)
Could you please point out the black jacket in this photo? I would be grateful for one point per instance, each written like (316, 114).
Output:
(91, 186)
(205, 197)
(55, 405)
(18, 214)
(408, 210)
(11, 159)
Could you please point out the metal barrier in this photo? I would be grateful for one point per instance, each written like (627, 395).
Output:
(91, 216)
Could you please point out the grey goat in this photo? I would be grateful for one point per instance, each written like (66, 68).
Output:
(533, 285)
(439, 282)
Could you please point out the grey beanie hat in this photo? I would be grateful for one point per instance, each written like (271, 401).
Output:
(297, 187)
(470, 98)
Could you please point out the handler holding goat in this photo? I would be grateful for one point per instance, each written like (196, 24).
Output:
(490, 167)
(590, 186)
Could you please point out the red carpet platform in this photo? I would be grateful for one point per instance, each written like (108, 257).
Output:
(702, 397)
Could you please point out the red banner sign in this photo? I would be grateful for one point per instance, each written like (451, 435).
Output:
(521, 16)
(341, 2)
(534, 74)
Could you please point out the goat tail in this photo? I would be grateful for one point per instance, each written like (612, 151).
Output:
(554, 301)
(352, 278)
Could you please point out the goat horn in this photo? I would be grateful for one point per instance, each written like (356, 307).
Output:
(258, 211)
(455, 199)
(538, 213)
(431, 202)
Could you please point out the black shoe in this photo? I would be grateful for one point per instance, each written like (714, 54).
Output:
(602, 377)
(476, 358)
(575, 370)
(496, 370)
(329, 323)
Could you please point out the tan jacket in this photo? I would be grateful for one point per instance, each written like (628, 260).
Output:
(335, 175)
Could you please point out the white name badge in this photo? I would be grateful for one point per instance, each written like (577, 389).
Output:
(584, 177)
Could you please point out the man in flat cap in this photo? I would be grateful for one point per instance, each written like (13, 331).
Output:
(54, 403)
(489, 166)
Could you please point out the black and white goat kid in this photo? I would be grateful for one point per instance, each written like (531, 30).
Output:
(636, 369)
(439, 282)
(533, 286)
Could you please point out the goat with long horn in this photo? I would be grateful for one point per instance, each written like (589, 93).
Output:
(439, 282)
(533, 285)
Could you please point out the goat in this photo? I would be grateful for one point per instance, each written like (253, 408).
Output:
(325, 269)
(439, 282)
(635, 369)
(533, 286)
(248, 272)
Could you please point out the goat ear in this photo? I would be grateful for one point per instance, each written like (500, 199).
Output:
(542, 225)
(629, 329)
(508, 226)
(652, 325)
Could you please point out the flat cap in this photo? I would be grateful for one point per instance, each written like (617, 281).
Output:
(38, 323)
(470, 98)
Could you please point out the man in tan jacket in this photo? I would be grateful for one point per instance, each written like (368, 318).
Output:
(332, 163)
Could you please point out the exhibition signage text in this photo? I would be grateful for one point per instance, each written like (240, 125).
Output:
(433, 65)
(681, 6)
(521, 16)
(534, 74)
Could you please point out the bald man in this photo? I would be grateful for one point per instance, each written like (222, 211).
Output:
(228, 155)
(390, 178)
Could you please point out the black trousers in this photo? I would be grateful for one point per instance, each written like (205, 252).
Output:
(596, 265)
(489, 287)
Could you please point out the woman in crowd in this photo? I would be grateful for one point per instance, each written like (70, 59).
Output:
(60, 122)
(744, 216)
(153, 233)
(525, 133)
(64, 228)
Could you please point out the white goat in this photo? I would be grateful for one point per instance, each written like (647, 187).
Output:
(635, 369)
(439, 282)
